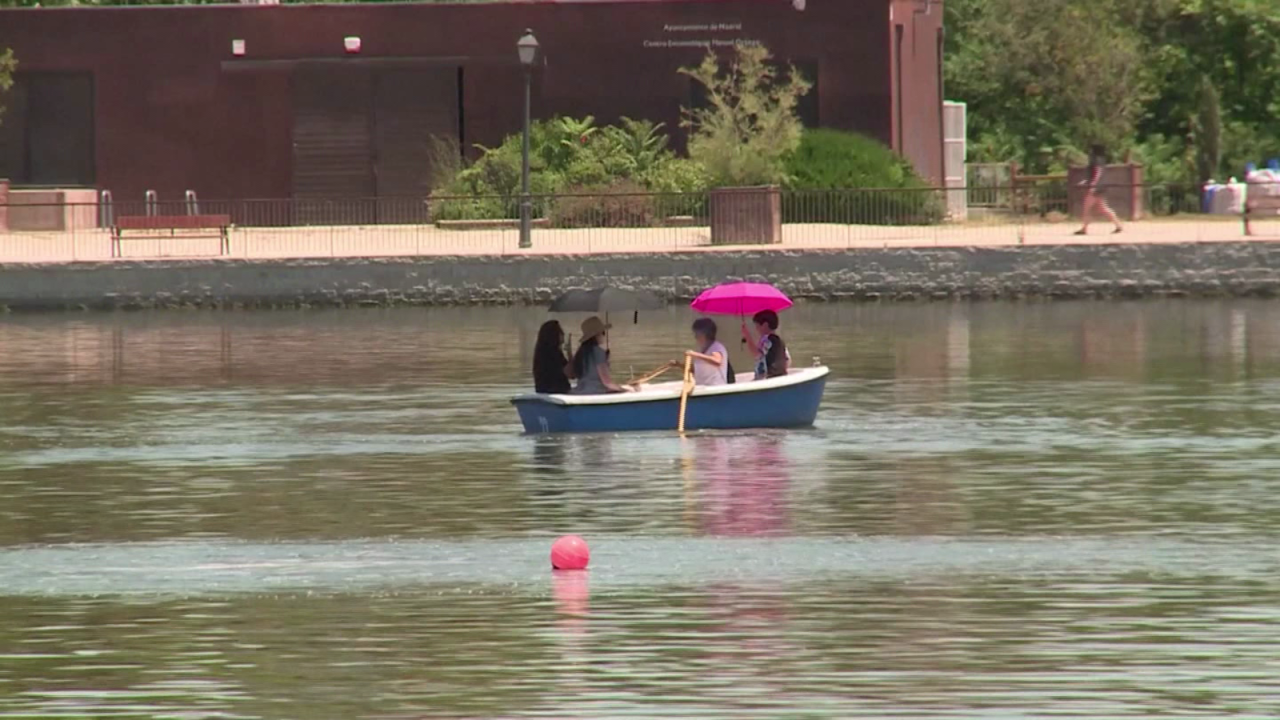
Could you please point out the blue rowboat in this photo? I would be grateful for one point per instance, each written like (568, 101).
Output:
(782, 402)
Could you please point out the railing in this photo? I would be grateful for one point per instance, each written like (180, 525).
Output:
(601, 222)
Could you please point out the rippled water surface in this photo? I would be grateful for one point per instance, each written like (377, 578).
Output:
(1004, 511)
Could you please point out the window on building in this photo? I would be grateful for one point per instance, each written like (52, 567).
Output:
(46, 131)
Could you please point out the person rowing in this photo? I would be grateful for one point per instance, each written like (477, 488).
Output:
(711, 359)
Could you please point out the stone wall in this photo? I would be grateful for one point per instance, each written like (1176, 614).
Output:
(1236, 268)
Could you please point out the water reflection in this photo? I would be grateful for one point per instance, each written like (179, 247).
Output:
(1114, 345)
(741, 483)
(550, 455)
(1004, 508)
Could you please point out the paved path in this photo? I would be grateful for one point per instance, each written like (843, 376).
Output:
(412, 240)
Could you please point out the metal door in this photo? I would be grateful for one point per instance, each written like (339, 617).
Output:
(333, 170)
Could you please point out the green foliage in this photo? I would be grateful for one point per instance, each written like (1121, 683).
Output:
(7, 66)
(1207, 129)
(1046, 74)
(641, 142)
(1243, 143)
(559, 142)
(834, 159)
(1166, 160)
(571, 154)
(623, 203)
(750, 124)
(829, 164)
(1132, 74)
(445, 157)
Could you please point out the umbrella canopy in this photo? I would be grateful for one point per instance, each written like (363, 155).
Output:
(606, 300)
(741, 298)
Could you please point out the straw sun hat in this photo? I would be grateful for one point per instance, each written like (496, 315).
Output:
(593, 326)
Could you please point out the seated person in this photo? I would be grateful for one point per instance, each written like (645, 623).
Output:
(591, 363)
(711, 359)
(550, 367)
(769, 351)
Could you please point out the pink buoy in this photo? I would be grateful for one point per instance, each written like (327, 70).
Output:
(570, 552)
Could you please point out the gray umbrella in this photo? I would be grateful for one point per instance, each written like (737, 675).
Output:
(606, 300)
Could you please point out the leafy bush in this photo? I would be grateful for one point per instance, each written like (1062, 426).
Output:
(569, 153)
(639, 144)
(682, 184)
(845, 177)
(620, 204)
(750, 124)
(445, 156)
(462, 207)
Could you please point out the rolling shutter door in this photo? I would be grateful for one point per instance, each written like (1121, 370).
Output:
(333, 176)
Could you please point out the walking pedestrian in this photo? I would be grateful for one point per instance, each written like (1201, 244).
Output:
(1092, 197)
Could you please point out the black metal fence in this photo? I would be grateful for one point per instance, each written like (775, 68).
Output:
(589, 222)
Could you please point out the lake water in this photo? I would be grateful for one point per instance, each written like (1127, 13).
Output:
(1004, 511)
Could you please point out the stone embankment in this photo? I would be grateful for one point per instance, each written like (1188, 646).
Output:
(1042, 271)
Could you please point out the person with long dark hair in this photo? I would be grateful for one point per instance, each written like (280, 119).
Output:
(591, 363)
(1092, 196)
(550, 366)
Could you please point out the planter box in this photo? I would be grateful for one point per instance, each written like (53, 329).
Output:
(52, 210)
(746, 216)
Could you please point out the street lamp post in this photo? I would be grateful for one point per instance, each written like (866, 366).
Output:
(527, 48)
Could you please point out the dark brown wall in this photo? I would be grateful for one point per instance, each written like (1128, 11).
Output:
(174, 109)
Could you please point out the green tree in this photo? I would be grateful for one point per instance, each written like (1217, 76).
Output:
(1024, 69)
(750, 125)
(1208, 132)
(1235, 42)
(1044, 75)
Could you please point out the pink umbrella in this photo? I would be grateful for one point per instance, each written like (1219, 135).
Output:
(741, 298)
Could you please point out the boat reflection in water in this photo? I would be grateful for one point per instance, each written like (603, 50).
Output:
(738, 483)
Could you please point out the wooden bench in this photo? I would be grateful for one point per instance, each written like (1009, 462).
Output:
(179, 227)
(1257, 201)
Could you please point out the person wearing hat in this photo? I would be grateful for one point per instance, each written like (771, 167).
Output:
(591, 363)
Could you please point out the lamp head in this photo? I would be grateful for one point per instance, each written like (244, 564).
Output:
(527, 47)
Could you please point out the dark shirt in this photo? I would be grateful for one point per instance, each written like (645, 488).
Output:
(776, 358)
(773, 361)
(1095, 175)
(548, 372)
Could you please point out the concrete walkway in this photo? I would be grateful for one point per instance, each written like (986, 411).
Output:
(426, 240)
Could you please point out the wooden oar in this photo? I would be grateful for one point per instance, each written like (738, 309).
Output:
(646, 378)
(684, 391)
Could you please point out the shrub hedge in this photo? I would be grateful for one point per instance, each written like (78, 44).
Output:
(833, 177)
(845, 177)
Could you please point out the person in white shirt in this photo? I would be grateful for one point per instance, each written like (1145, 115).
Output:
(711, 359)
